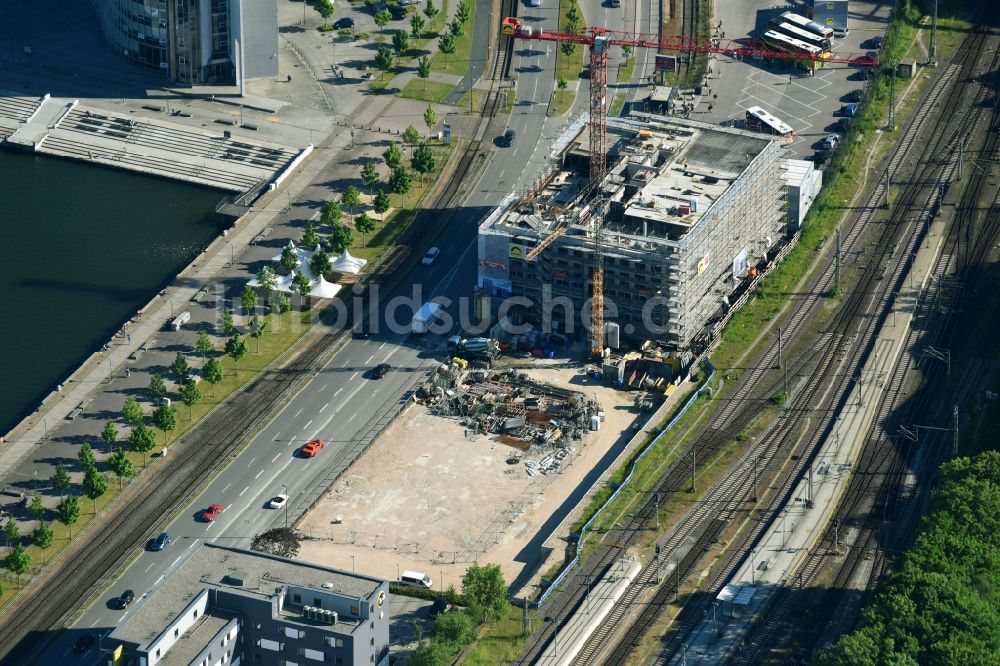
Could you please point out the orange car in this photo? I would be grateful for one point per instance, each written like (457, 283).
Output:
(312, 448)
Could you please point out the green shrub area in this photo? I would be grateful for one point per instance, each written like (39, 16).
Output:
(943, 604)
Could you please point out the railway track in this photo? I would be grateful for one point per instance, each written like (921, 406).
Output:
(817, 290)
(83, 569)
(878, 496)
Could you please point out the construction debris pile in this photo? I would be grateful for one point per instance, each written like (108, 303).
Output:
(650, 369)
(518, 411)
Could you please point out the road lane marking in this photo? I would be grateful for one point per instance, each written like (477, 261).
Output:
(149, 567)
(298, 412)
(176, 561)
(338, 392)
(324, 388)
(354, 376)
(95, 622)
(122, 617)
(227, 487)
(244, 490)
(352, 417)
(307, 425)
(194, 542)
(369, 359)
(275, 458)
(258, 474)
(209, 526)
(251, 461)
(346, 363)
(325, 407)
(383, 344)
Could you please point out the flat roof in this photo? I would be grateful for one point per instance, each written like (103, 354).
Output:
(194, 640)
(212, 566)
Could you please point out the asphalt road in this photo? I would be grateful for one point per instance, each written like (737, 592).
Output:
(336, 405)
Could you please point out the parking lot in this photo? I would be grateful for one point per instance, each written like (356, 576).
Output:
(810, 104)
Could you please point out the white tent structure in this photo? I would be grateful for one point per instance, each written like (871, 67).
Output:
(321, 288)
(345, 263)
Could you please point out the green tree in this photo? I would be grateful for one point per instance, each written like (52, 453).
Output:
(86, 456)
(369, 176)
(351, 198)
(455, 629)
(567, 48)
(213, 372)
(37, 508)
(417, 27)
(204, 343)
(382, 18)
(228, 325)
(341, 238)
(485, 591)
(400, 181)
(302, 284)
(180, 367)
(121, 465)
(573, 16)
(60, 480)
(190, 394)
(289, 258)
(430, 11)
(325, 9)
(320, 263)
(68, 512)
(562, 84)
(142, 440)
(463, 12)
(424, 70)
(236, 349)
(456, 28)
(257, 329)
(393, 156)
(281, 303)
(400, 43)
(365, 224)
(157, 387)
(165, 418)
(446, 45)
(248, 299)
(310, 239)
(42, 537)
(11, 533)
(430, 118)
(423, 160)
(110, 435)
(18, 561)
(383, 58)
(411, 136)
(94, 485)
(430, 654)
(132, 412)
(381, 203)
(266, 278)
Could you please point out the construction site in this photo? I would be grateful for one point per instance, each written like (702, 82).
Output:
(481, 466)
(685, 214)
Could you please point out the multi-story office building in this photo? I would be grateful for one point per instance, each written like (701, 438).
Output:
(686, 210)
(230, 606)
(198, 42)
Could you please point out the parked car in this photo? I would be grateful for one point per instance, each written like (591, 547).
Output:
(83, 643)
(429, 256)
(397, 12)
(160, 542)
(855, 95)
(409, 2)
(125, 599)
(843, 124)
(211, 513)
(343, 23)
(821, 157)
(277, 501)
(849, 110)
(439, 606)
(876, 42)
(830, 141)
(378, 372)
(533, 3)
(312, 447)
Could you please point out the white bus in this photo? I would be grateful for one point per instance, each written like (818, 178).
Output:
(801, 34)
(761, 121)
(810, 26)
(779, 42)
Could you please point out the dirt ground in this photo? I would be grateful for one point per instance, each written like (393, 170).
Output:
(426, 498)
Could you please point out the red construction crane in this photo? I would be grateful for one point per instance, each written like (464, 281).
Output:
(600, 40)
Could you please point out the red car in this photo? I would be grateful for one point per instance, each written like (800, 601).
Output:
(211, 513)
(312, 448)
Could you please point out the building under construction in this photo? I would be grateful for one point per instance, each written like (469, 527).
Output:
(689, 210)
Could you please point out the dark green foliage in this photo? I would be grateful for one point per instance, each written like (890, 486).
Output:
(942, 606)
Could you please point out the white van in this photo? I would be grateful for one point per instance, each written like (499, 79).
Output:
(416, 579)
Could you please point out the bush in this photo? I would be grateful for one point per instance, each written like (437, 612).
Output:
(326, 28)
(423, 593)
(454, 629)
